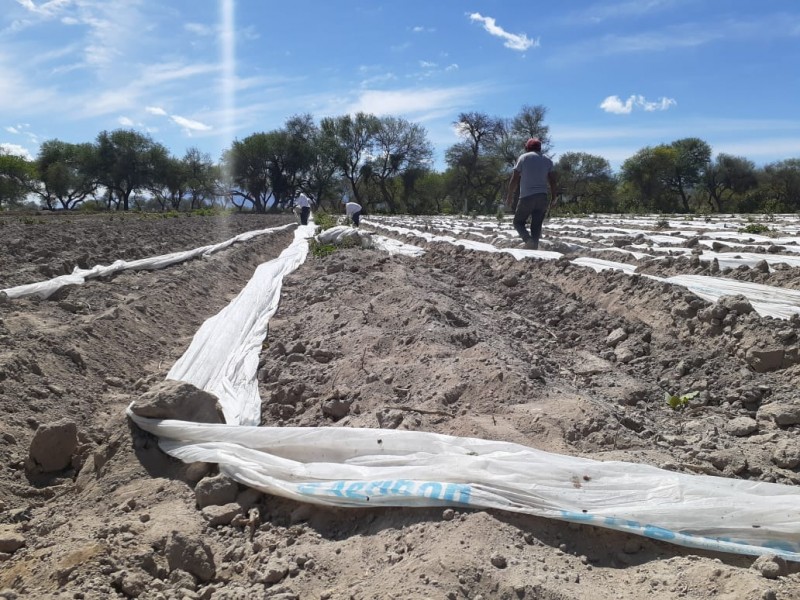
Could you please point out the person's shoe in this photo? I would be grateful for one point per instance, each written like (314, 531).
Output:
(530, 245)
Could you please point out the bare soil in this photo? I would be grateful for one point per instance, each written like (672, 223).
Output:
(455, 342)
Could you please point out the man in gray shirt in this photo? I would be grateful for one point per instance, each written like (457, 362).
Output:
(533, 174)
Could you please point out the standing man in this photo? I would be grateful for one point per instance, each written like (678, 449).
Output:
(304, 202)
(353, 212)
(533, 173)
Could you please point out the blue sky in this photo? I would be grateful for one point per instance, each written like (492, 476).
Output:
(615, 76)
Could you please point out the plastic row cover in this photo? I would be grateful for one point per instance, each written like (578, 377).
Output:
(369, 467)
(45, 289)
(767, 300)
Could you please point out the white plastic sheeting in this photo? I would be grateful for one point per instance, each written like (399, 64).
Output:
(369, 467)
(223, 356)
(45, 289)
(376, 467)
(766, 300)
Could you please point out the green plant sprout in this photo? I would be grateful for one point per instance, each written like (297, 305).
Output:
(679, 402)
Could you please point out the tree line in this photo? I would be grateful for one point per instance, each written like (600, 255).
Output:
(385, 164)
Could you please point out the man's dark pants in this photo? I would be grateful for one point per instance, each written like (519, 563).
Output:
(535, 207)
(304, 212)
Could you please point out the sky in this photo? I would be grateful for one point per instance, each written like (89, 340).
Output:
(614, 76)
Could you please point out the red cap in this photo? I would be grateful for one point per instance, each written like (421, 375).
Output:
(533, 144)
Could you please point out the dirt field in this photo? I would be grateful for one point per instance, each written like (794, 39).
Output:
(545, 354)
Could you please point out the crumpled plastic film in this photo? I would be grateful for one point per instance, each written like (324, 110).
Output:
(45, 289)
(378, 467)
(223, 355)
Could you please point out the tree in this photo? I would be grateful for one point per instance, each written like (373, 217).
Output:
(690, 157)
(16, 177)
(65, 175)
(353, 138)
(430, 194)
(478, 167)
(586, 182)
(170, 183)
(644, 177)
(126, 161)
(666, 176)
(728, 176)
(401, 148)
(202, 178)
(246, 170)
(782, 183)
(513, 133)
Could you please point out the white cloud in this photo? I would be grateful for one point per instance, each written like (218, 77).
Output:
(15, 149)
(425, 64)
(156, 110)
(189, 125)
(420, 29)
(45, 9)
(452, 67)
(412, 101)
(615, 105)
(125, 122)
(378, 79)
(11, 129)
(199, 29)
(514, 41)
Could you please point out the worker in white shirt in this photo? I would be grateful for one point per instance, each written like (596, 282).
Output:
(304, 202)
(353, 212)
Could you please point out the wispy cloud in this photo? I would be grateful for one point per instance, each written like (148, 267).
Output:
(47, 9)
(421, 29)
(126, 122)
(618, 10)
(615, 104)
(189, 125)
(156, 110)
(199, 29)
(413, 102)
(514, 41)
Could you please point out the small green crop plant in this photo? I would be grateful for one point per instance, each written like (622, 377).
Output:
(324, 220)
(321, 250)
(679, 402)
(755, 228)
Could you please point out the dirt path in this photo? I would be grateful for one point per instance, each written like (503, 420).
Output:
(548, 355)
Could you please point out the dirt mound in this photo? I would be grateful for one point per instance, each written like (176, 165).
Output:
(546, 354)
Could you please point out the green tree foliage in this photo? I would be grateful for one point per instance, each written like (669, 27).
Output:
(170, 183)
(401, 149)
(353, 146)
(126, 161)
(64, 173)
(586, 183)
(690, 158)
(431, 194)
(202, 178)
(478, 168)
(513, 133)
(664, 178)
(781, 185)
(727, 178)
(17, 175)
(246, 171)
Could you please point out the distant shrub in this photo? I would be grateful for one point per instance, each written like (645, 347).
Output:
(662, 224)
(755, 228)
(91, 207)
